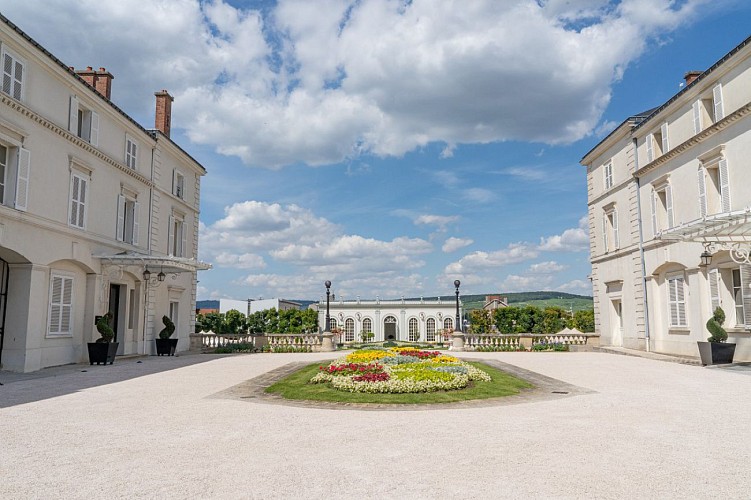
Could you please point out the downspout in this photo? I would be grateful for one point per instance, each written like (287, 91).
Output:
(645, 299)
(148, 249)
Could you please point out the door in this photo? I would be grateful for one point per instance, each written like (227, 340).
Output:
(4, 271)
(114, 310)
(389, 328)
(617, 323)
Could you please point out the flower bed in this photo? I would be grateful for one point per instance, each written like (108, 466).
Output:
(398, 370)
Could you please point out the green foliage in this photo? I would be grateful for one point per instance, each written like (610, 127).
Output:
(169, 328)
(104, 329)
(367, 336)
(287, 321)
(234, 322)
(552, 346)
(481, 321)
(584, 320)
(714, 325)
(231, 348)
(531, 319)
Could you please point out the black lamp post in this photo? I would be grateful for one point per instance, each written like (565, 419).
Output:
(328, 294)
(457, 326)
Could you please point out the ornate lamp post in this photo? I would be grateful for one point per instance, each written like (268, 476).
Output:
(458, 326)
(327, 341)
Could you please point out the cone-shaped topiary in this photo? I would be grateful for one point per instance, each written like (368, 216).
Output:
(169, 328)
(104, 329)
(714, 325)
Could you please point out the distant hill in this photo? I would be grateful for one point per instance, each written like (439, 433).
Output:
(214, 304)
(520, 299)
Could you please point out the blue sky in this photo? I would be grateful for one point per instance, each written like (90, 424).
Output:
(390, 146)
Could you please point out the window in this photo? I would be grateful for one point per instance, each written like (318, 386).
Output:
(61, 305)
(448, 323)
(178, 184)
(708, 109)
(78, 194)
(349, 330)
(332, 323)
(132, 308)
(662, 208)
(15, 170)
(414, 332)
(740, 315)
(430, 330)
(13, 75)
(131, 153)
(608, 175)
(177, 241)
(657, 143)
(367, 325)
(174, 315)
(714, 186)
(677, 301)
(127, 220)
(83, 122)
(610, 237)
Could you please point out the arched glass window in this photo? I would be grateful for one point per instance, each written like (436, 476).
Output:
(414, 332)
(367, 326)
(430, 330)
(332, 323)
(448, 323)
(349, 330)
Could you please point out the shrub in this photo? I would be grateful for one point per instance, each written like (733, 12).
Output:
(104, 329)
(169, 328)
(714, 325)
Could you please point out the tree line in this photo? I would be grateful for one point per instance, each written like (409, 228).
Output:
(267, 321)
(530, 319)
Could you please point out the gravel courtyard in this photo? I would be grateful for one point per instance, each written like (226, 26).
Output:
(155, 428)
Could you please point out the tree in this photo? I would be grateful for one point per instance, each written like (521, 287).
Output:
(584, 321)
(553, 320)
(529, 319)
(480, 320)
(234, 322)
(505, 319)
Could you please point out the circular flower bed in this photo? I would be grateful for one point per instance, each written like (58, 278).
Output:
(398, 370)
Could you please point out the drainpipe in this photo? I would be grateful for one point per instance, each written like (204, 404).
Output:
(645, 299)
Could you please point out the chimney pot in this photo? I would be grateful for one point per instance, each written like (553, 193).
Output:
(163, 115)
(101, 80)
(690, 76)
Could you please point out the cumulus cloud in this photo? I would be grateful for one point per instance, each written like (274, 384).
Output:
(242, 261)
(453, 244)
(436, 220)
(303, 81)
(571, 240)
(519, 283)
(478, 261)
(548, 267)
(576, 286)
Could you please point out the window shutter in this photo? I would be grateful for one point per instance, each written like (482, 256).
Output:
(184, 242)
(650, 147)
(714, 288)
(171, 236)
(174, 182)
(697, 116)
(82, 203)
(669, 205)
(56, 294)
(605, 232)
(66, 306)
(616, 239)
(702, 193)
(73, 116)
(724, 185)
(94, 136)
(22, 182)
(120, 217)
(61, 305)
(135, 223)
(719, 112)
(665, 142)
(74, 188)
(673, 301)
(7, 74)
(746, 293)
(655, 229)
(681, 302)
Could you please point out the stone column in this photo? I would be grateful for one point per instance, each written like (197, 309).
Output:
(327, 342)
(457, 341)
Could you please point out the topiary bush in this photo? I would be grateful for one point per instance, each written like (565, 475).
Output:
(169, 328)
(104, 329)
(714, 325)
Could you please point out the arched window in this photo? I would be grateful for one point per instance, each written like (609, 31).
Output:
(448, 323)
(367, 326)
(349, 330)
(430, 330)
(414, 332)
(332, 323)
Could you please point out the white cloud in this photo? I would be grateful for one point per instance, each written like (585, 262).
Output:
(516, 283)
(548, 267)
(436, 220)
(478, 261)
(453, 244)
(242, 261)
(479, 195)
(571, 240)
(305, 82)
(577, 286)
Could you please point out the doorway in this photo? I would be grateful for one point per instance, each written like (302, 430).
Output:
(4, 271)
(114, 310)
(617, 322)
(389, 328)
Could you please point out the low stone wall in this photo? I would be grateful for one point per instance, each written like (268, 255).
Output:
(473, 342)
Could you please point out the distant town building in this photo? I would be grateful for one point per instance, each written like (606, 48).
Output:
(250, 306)
(493, 302)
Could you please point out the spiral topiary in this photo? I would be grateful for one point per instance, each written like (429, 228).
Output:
(169, 328)
(714, 325)
(104, 329)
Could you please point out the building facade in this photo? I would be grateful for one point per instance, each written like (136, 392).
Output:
(406, 320)
(97, 214)
(664, 188)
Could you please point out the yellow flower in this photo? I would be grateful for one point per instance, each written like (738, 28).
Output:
(366, 356)
(443, 358)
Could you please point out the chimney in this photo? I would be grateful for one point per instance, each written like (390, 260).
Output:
(691, 76)
(101, 80)
(163, 117)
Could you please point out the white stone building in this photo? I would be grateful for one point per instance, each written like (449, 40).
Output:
(89, 200)
(408, 320)
(664, 187)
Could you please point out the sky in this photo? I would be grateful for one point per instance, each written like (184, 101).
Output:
(390, 146)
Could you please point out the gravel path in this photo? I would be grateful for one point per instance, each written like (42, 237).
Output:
(640, 429)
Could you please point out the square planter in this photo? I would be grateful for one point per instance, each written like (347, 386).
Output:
(102, 353)
(166, 347)
(716, 353)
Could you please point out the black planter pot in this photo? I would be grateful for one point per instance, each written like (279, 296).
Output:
(716, 353)
(166, 347)
(102, 353)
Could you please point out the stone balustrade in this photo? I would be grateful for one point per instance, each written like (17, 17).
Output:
(525, 341)
(208, 341)
(303, 341)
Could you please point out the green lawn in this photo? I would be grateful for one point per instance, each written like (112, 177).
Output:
(296, 386)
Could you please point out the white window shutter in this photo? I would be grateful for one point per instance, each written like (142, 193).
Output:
(655, 229)
(702, 193)
(746, 293)
(73, 115)
(680, 293)
(120, 217)
(94, 136)
(669, 205)
(82, 193)
(714, 288)
(605, 232)
(697, 116)
(135, 223)
(724, 185)
(66, 306)
(174, 181)
(22, 181)
(665, 142)
(184, 242)
(650, 147)
(18, 80)
(719, 111)
(56, 293)
(171, 236)
(616, 239)
(74, 188)
(673, 301)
